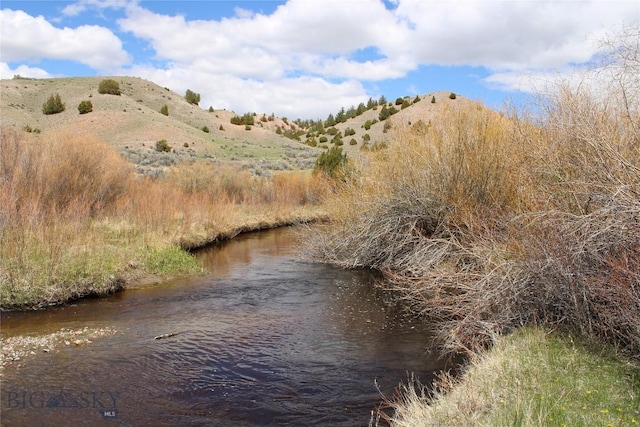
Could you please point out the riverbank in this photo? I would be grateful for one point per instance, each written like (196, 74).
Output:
(530, 378)
(75, 219)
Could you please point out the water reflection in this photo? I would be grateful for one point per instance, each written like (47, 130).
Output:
(265, 339)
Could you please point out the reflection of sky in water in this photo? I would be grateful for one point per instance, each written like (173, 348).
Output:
(264, 339)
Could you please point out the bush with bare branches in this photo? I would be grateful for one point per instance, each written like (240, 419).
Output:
(484, 223)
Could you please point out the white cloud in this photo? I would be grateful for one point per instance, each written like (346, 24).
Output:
(513, 35)
(250, 60)
(298, 37)
(81, 6)
(295, 97)
(7, 72)
(24, 37)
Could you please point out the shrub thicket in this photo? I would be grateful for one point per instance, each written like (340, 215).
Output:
(76, 220)
(164, 110)
(53, 105)
(386, 112)
(247, 119)
(484, 223)
(109, 86)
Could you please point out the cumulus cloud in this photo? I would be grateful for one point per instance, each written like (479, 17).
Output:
(510, 35)
(25, 37)
(519, 42)
(294, 97)
(298, 36)
(254, 61)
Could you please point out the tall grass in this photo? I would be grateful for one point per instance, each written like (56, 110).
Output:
(76, 220)
(485, 223)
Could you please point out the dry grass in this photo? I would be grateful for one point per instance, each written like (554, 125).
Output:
(75, 219)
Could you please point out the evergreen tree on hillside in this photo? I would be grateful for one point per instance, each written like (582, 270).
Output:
(331, 121)
(109, 87)
(332, 163)
(192, 97)
(53, 105)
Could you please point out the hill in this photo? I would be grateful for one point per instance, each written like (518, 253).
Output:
(132, 122)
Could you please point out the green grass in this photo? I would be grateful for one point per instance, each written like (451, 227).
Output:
(535, 378)
(62, 265)
(170, 260)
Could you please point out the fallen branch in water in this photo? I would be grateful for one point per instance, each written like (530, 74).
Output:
(163, 336)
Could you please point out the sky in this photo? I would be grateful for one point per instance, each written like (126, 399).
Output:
(308, 58)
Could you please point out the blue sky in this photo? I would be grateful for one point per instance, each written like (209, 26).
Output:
(308, 58)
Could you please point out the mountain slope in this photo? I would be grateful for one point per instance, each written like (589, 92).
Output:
(133, 123)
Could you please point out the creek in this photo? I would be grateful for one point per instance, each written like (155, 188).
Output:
(265, 338)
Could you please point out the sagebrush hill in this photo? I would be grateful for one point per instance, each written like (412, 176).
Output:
(133, 122)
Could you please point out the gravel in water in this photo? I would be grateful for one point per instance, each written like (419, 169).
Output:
(14, 349)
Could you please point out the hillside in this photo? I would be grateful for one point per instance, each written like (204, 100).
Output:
(132, 122)
(423, 110)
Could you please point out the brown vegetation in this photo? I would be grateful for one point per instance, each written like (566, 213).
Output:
(484, 223)
(75, 219)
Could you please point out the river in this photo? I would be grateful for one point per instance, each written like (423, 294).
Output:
(264, 339)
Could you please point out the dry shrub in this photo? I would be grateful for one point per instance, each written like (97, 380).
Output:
(235, 184)
(227, 183)
(74, 217)
(483, 223)
(299, 188)
(59, 176)
(431, 191)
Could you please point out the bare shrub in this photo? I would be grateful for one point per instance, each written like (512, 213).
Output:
(484, 224)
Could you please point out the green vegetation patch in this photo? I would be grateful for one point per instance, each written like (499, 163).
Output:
(533, 378)
(170, 260)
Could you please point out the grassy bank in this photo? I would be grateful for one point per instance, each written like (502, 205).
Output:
(76, 220)
(531, 378)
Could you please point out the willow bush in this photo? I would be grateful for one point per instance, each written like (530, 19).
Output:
(484, 223)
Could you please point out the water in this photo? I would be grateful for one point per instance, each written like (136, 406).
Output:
(265, 339)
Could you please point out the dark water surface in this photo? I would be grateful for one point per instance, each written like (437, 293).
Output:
(265, 339)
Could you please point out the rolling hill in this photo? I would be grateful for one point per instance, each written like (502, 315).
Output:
(132, 122)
